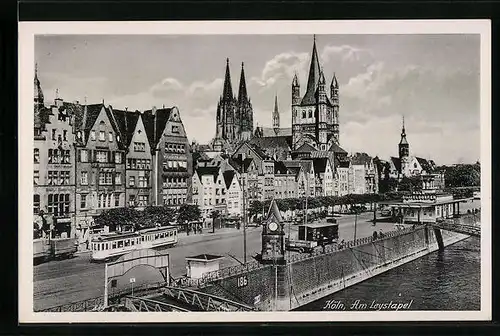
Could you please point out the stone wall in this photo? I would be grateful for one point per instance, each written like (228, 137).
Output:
(306, 278)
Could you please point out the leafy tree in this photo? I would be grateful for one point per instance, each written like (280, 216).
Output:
(463, 175)
(189, 212)
(157, 215)
(118, 217)
(255, 208)
(410, 184)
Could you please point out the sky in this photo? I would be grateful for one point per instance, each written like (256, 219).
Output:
(431, 80)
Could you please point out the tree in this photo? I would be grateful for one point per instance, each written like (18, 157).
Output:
(463, 175)
(255, 208)
(410, 184)
(118, 217)
(189, 212)
(157, 215)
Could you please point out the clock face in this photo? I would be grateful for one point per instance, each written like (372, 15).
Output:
(273, 226)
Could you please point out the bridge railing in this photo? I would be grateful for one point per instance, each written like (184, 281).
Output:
(94, 304)
(346, 245)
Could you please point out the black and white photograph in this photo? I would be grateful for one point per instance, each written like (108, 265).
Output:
(319, 171)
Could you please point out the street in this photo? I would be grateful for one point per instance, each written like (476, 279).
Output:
(76, 279)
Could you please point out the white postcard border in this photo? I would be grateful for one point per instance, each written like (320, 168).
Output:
(27, 31)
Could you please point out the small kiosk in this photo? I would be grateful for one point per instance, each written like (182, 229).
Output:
(202, 263)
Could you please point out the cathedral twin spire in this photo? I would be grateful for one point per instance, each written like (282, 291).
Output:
(227, 93)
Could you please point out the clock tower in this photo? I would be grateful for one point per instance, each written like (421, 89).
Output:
(273, 236)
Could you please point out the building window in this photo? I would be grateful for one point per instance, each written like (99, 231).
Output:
(304, 114)
(118, 157)
(102, 156)
(36, 155)
(142, 181)
(143, 200)
(53, 134)
(310, 114)
(84, 155)
(84, 178)
(175, 129)
(83, 201)
(139, 147)
(58, 204)
(131, 181)
(51, 177)
(92, 135)
(50, 155)
(66, 154)
(65, 135)
(131, 200)
(118, 178)
(110, 137)
(36, 203)
(148, 164)
(102, 136)
(117, 200)
(36, 177)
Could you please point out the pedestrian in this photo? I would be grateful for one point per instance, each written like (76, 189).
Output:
(375, 235)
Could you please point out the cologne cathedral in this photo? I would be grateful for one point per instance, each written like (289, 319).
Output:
(234, 118)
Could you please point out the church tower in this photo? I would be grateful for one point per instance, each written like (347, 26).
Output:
(226, 109)
(315, 116)
(39, 104)
(276, 116)
(334, 95)
(404, 152)
(244, 110)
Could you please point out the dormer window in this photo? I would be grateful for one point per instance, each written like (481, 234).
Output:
(79, 135)
(110, 137)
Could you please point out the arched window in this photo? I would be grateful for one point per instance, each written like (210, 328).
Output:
(310, 113)
(304, 114)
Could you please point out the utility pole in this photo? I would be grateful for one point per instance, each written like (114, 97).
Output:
(244, 219)
(355, 222)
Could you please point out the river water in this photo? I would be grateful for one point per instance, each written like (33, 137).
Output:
(442, 280)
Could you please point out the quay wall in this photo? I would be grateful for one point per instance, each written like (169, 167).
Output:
(307, 278)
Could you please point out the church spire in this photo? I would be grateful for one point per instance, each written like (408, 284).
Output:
(276, 115)
(227, 94)
(335, 83)
(314, 75)
(242, 93)
(403, 134)
(38, 94)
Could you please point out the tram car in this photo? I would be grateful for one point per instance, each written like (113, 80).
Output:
(45, 249)
(113, 245)
(321, 233)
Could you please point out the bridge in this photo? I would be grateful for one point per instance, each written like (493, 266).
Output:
(182, 300)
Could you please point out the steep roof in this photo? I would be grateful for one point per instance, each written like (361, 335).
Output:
(397, 162)
(75, 110)
(320, 165)
(228, 177)
(425, 164)
(269, 143)
(210, 170)
(280, 168)
(336, 148)
(313, 78)
(241, 166)
(304, 164)
(155, 124)
(305, 148)
(127, 121)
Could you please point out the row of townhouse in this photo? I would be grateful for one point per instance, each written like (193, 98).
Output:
(259, 177)
(88, 158)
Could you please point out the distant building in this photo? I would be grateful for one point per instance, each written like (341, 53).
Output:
(364, 177)
(406, 165)
(234, 117)
(234, 193)
(315, 118)
(285, 181)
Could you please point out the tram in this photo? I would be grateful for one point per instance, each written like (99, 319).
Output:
(108, 246)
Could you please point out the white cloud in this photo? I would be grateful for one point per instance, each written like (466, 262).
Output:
(345, 53)
(282, 66)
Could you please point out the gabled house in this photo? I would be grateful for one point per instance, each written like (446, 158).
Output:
(171, 156)
(234, 193)
(138, 179)
(100, 163)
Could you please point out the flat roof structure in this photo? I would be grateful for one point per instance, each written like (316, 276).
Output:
(424, 204)
(204, 257)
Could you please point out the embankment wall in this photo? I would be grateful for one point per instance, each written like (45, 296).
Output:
(306, 278)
